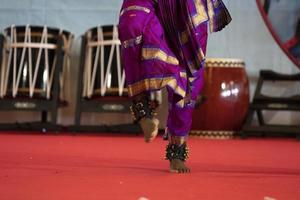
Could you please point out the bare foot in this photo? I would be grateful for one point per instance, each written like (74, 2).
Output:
(150, 128)
(178, 166)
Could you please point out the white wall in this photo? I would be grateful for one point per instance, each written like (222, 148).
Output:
(247, 37)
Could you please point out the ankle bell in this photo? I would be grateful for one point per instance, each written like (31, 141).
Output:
(175, 151)
(143, 108)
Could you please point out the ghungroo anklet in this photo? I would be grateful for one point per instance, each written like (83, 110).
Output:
(175, 151)
(143, 108)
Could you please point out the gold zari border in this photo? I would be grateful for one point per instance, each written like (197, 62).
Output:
(211, 15)
(155, 53)
(155, 84)
(201, 15)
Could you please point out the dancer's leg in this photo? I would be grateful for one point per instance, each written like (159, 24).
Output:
(143, 111)
(179, 125)
(148, 62)
(180, 119)
(135, 16)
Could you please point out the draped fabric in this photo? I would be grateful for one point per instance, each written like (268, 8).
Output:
(164, 43)
(181, 19)
(218, 15)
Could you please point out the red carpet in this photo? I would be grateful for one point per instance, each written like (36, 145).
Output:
(39, 167)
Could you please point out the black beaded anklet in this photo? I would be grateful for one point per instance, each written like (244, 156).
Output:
(175, 151)
(143, 108)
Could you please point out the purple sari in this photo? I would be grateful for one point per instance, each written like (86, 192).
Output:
(164, 45)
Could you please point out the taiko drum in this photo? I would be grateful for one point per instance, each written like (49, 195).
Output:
(226, 97)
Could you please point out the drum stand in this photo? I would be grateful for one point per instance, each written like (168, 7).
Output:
(262, 102)
(35, 104)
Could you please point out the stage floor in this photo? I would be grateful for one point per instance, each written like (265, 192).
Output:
(106, 167)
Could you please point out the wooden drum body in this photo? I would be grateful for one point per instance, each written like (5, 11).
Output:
(103, 73)
(226, 99)
(30, 61)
